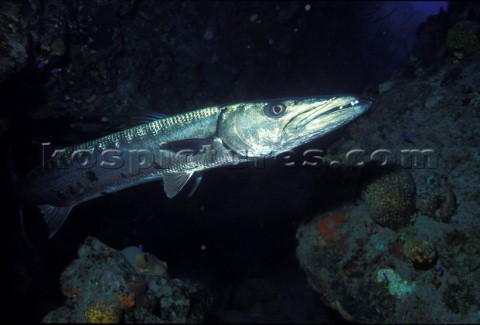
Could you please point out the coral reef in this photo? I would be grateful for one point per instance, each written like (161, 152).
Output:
(449, 205)
(98, 313)
(463, 38)
(422, 254)
(436, 201)
(397, 272)
(13, 40)
(390, 199)
(459, 298)
(104, 286)
(396, 285)
(149, 264)
(126, 301)
(411, 254)
(428, 203)
(328, 226)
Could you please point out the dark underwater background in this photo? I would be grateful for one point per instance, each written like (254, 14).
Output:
(77, 70)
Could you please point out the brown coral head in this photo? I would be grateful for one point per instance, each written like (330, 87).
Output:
(390, 199)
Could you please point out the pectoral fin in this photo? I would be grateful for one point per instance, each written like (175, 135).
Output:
(54, 217)
(174, 182)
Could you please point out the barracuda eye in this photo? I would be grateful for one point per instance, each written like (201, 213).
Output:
(275, 110)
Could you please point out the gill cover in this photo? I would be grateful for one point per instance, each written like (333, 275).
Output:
(252, 129)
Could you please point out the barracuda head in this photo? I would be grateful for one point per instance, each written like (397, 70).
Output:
(266, 128)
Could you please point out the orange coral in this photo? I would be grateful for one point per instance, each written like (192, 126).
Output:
(127, 301)
(328, 226)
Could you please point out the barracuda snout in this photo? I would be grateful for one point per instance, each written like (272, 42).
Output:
(265, 128)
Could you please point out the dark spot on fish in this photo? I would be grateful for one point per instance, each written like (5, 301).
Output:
(79, 185)
(92, 177)
(71, 189)
(156, 165)
(123, 175)
(103, 193)
(145, 258)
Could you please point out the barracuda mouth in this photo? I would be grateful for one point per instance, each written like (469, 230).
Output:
(325, 117)
(322, 110)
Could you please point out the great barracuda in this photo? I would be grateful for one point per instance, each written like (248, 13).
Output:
(214, 136)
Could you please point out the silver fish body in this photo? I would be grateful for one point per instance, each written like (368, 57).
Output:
(176, 147)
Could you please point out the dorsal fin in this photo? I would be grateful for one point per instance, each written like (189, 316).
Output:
(174, 182)
(147, 117)
(132, 119)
